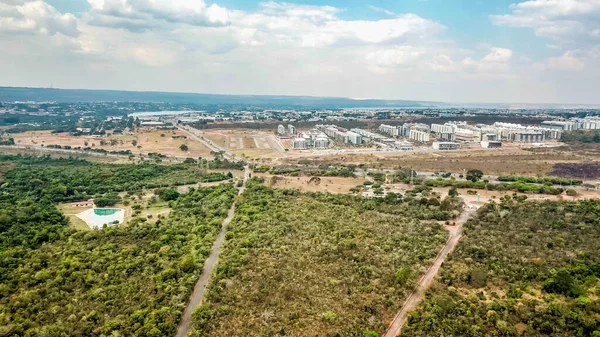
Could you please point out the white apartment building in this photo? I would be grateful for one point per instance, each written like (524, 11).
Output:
(447, 136)
(559, 125)
(321, 143)
(291, 129)
(354, 138)
(300, 144)
(281, 130)
(525, 136)
(388, 130)
(445, 128)
(419, 136)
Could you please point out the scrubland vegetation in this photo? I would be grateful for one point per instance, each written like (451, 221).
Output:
(521, 269)
(129, 280)
(300, 264)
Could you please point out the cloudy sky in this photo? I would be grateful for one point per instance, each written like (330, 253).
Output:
(446, 50)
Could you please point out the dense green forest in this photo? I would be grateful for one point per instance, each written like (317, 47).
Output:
(317, 264)
(129, 280)
(71, 179)
(521, 269)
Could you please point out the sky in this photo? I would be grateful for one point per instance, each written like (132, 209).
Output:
(501, 51)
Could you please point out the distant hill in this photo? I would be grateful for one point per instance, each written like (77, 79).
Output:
(12, 94)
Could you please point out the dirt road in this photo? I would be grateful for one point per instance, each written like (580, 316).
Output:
(416, 296)
(197, 296)
(212, 146)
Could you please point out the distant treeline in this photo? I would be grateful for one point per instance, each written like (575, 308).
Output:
(592, 136)
(373, 123)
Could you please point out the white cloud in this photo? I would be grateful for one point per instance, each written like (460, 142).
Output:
(35, 17)
(567, 21)
(280, 48)
(404, 56)
(381, 10)
(147, 14)
(498, 55)
(568, 61)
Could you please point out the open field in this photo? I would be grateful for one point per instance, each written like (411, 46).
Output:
(157, 141)
(512, 161)
(71, 213)
(327, 184)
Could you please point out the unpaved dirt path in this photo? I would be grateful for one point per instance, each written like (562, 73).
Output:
(197, 296)
(416, 296)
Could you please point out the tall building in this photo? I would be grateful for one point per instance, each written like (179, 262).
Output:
(281, 130)
(559, 125)
(300, 144)
(419, 136)
(389, 130)
(291, 129)
(321, 143)
(439, 128)
(353, 138)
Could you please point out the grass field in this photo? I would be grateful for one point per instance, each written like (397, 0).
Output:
(157, 141)
(71, 212)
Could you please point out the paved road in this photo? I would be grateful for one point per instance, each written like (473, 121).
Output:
(197, 296)
(416, 296)
(212, 146)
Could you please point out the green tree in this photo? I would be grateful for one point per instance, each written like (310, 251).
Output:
(474, 175)
(184, 147)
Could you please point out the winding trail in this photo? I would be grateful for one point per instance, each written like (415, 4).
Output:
(414, 299)
(198, 294)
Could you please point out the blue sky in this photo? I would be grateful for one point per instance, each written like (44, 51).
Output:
(453, 50)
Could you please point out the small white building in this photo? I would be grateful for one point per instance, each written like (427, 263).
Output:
(446, 146)
(403, 146)
(88, 203)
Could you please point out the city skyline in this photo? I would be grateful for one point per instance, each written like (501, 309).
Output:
(538, 51)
